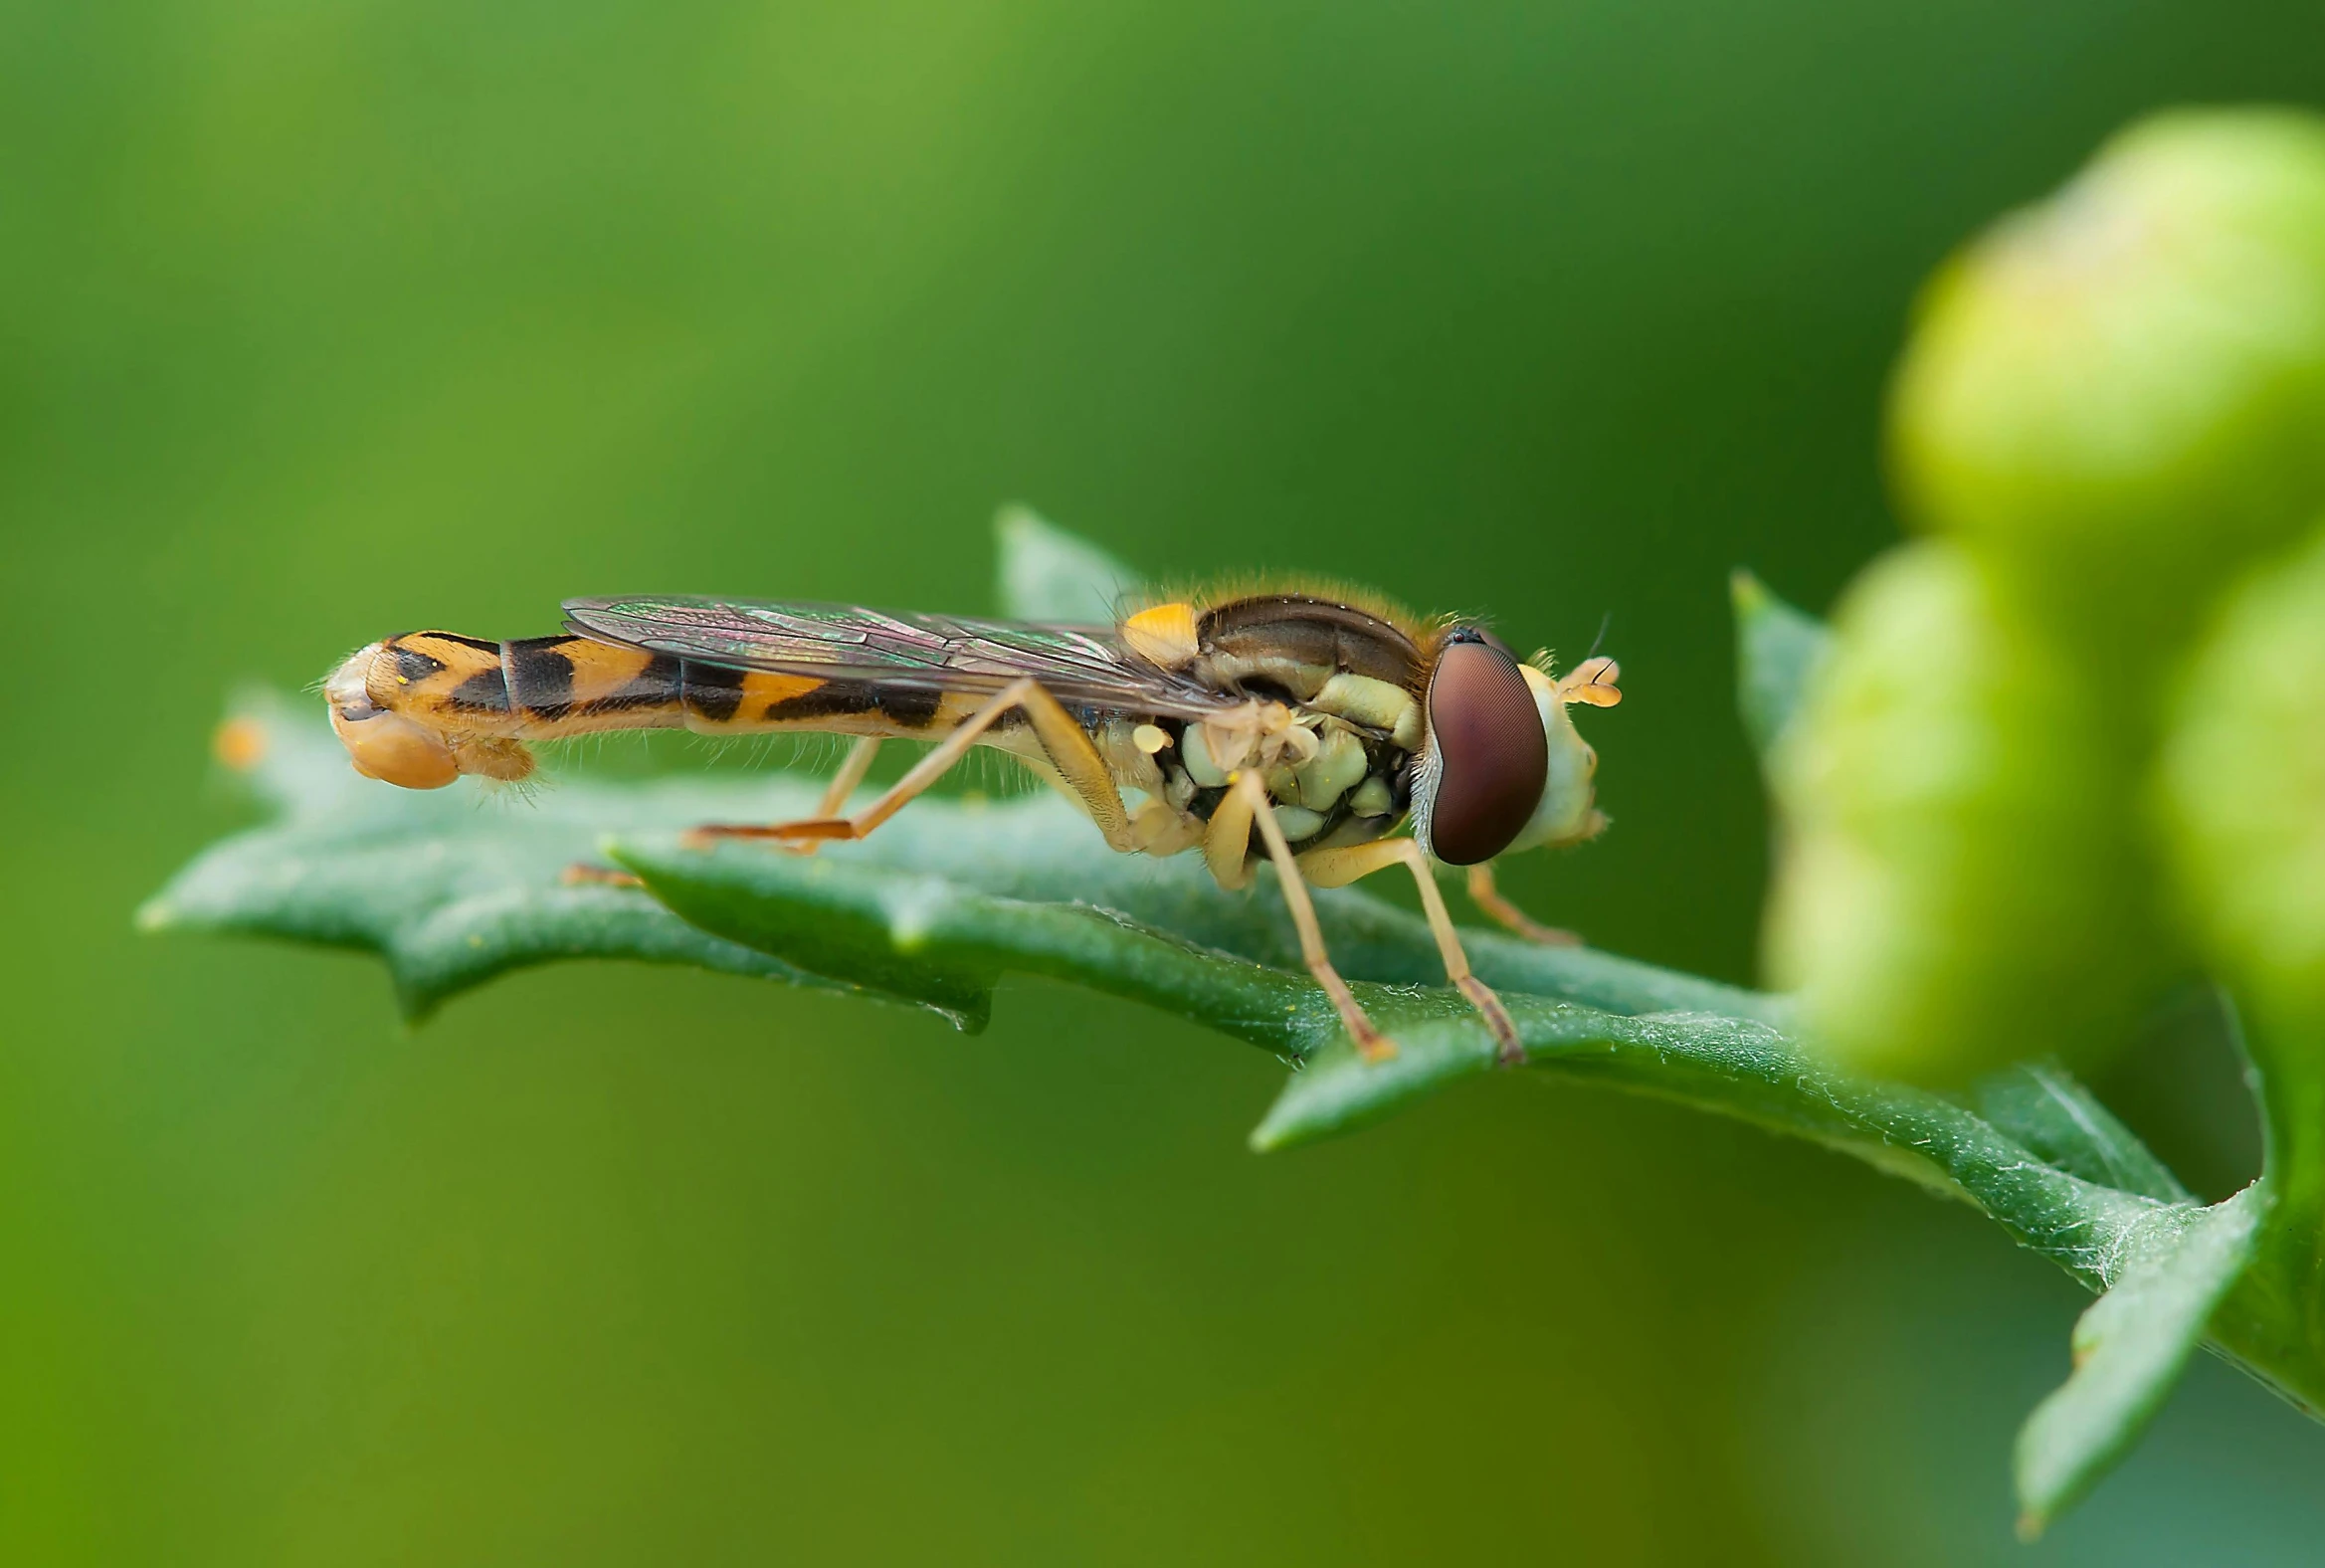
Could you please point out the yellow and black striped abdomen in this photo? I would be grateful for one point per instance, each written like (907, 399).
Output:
(550, 688)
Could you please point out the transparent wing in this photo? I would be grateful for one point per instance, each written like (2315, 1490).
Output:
(1084, 665)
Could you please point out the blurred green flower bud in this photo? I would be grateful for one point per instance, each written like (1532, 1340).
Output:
(2242, 781)
(2121, 393)
(1960, 883)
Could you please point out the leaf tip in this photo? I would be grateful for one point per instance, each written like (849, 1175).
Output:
(417, 998)
(155, 915)
(1292, 1122)
(2032, 1525)
(1746, 592)
(1285, 1125)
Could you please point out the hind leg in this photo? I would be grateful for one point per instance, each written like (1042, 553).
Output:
(1063, 738)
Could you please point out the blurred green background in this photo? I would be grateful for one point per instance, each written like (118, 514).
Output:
(328, 318)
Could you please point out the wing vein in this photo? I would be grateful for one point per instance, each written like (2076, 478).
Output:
(1087, 667)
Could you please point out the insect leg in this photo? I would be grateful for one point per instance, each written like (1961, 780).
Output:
(851, 774)
(842, 784)
(1227, 839)
(1338, 868)
(1249, 796)
(1077, 760)
(1060, 736)
(1483, 895)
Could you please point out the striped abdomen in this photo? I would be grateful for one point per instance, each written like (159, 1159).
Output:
(547, 687)
(422, 708)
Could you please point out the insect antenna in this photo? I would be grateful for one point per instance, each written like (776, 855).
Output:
(1598, 642)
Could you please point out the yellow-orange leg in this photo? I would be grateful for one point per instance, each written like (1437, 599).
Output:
(1486, 897)
(1226, 844)
(852, 767)
(852, 770)
(1068, 748)
(1338, 868)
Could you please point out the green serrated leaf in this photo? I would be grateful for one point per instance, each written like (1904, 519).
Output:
(1777, 649)
(2129, 1348)
(1047, 574)
(455, 887)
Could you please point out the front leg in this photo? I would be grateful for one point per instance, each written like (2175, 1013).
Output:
(1338, 868)
(1486, 897)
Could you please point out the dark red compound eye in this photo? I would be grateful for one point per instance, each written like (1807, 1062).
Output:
(1493, 758)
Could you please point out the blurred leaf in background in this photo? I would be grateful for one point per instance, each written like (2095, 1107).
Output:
(320, 322)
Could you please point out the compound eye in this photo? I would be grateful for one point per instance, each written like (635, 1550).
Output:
(1493, 758)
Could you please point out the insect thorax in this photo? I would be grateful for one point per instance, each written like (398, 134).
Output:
(1326, 715)
(1333, 781)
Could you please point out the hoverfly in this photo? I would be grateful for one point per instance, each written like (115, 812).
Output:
(1300, 726)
